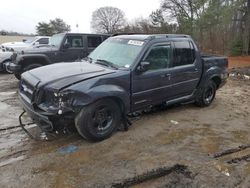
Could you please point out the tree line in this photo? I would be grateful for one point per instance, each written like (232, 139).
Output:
(218, 26)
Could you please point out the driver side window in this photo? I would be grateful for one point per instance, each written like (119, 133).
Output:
(159, 57)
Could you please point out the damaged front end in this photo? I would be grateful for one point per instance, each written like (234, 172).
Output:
(50, 110)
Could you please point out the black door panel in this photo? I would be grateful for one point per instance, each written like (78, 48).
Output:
(154, 85)
(150, 88)
(75, 49)
(186, 70)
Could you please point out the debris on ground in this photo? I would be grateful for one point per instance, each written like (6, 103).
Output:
(240, 73)
(223, 169)
(174, 122)
(67, 149)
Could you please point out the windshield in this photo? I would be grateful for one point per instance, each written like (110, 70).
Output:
(120, 52)
(56, 40)
(30, 40)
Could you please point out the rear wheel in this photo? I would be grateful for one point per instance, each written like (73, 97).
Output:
(26, 68)
(206, 95)
(99, 120)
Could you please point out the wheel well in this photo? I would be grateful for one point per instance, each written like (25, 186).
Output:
(217, 81)
(118, 101)
(29, 61)
(6, 60)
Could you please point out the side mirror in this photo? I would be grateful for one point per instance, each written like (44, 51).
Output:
(144, 65)
(66, 45)
(36, 43)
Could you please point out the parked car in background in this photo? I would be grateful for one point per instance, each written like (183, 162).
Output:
(124, 74)
(63, 47)
(7, 49)
(5, 59)
(30, 42)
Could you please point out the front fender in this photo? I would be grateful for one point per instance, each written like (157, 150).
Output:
(20, 59)
(99, 92)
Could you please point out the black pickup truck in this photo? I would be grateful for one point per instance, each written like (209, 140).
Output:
(124, 74)
(63, 47)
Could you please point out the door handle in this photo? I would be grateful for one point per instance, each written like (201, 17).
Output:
(167, 75)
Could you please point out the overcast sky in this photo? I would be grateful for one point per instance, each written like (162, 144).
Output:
(23, 15)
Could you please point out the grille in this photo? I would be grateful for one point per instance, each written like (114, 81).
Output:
(26, 89)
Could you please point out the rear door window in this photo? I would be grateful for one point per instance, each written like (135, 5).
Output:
(184, 53)
(94, 41)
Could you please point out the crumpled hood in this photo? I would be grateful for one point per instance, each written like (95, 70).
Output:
(61, 75)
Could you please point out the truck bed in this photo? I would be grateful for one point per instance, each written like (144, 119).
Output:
(213, 60)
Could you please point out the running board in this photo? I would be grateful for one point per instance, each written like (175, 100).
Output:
(180, 99)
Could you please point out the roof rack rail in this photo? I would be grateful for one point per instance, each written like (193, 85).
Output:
(177, 36)
(117, 34)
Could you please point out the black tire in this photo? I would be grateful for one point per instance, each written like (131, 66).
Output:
(17, 75)
(26, 68)
(99, 120)
(206, 94)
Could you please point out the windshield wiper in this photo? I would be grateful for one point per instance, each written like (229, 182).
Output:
(106, 63)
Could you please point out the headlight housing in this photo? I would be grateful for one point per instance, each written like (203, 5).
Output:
(65, 98)
(63, 101)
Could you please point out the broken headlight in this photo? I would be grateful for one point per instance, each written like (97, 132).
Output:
(65, 100)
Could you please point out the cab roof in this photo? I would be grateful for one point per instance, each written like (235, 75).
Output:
(149, 36)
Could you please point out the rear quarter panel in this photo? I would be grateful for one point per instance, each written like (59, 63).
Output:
(213, 66)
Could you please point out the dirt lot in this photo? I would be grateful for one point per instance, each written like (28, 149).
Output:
(239, 61)
(183, 146)
(4, 39)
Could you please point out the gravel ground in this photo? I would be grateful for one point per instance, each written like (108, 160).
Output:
(182, 146)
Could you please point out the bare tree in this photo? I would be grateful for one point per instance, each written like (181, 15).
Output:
(107, 20)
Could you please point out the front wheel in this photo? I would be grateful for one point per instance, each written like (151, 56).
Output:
(99, 120)
(206, 95)
(17, 75)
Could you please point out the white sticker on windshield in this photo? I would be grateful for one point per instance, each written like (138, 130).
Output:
(135, 42)
(127, 66)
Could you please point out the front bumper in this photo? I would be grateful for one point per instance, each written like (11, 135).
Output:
(14, 67)
(1, 67)
(42, 119)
